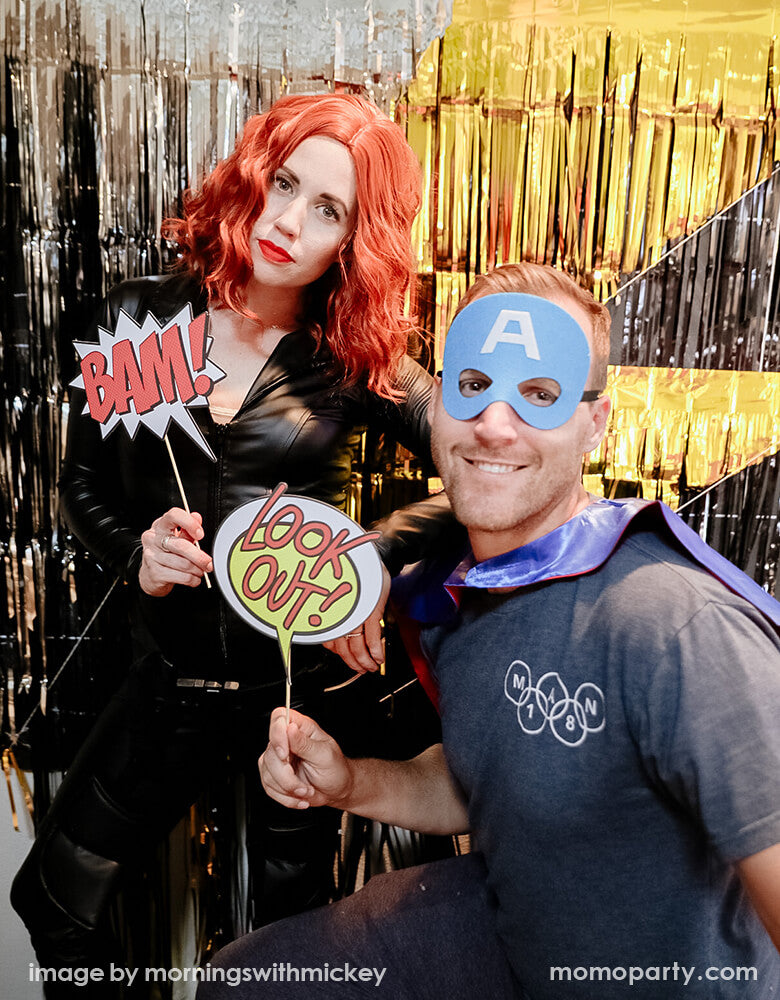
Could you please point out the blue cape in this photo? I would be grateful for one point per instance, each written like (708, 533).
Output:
(427, 592)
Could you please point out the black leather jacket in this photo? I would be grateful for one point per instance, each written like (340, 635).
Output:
(296, 425)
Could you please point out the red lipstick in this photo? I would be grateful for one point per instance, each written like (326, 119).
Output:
(273, 253)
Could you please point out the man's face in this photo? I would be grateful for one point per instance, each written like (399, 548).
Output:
(509, 482)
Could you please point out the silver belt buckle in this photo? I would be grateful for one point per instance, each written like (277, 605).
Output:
(199, 682)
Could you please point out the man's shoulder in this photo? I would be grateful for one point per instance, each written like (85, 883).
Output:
(650, 552)
(651, 578)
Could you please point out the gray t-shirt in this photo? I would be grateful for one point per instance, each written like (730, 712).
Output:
(617, 736)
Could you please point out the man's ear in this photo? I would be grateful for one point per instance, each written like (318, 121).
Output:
(599, 415)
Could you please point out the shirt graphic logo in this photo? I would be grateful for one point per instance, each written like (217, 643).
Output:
(570, 718)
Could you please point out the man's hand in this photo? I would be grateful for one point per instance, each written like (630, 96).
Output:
(170, 555)
(302, 766)
(364, 649)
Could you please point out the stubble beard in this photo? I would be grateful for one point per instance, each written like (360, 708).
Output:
(471, 505)
(481, 511)
(523, 510)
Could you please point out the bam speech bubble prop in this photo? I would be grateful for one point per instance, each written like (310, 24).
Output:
(149, 375)
(297, 569)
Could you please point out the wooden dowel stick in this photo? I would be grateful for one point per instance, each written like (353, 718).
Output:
(184, 503)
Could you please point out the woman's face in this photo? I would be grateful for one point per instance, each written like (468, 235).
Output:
(310, 211)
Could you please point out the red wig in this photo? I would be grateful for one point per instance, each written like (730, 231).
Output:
(358, 303)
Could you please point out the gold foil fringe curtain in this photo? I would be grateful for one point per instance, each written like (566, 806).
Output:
(588, 147)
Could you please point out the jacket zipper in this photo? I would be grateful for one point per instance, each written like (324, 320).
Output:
(222, 431)
(221, 434)
(279, 380)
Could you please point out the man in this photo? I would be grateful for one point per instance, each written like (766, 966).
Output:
(610, 716)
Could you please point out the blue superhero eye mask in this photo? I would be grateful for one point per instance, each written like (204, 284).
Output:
(519, 349)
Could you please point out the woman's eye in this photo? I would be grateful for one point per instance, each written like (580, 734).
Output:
(282, 183)
(331, 212)
(472, 383)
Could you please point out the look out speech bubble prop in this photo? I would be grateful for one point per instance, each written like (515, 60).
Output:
(149, 374)
(297, 569)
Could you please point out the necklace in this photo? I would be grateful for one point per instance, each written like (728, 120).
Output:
(244, 326)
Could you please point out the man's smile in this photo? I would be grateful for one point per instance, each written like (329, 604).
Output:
(495, 468)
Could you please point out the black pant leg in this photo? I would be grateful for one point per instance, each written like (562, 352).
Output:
(291, 856)
(135, 775)
(292, 853)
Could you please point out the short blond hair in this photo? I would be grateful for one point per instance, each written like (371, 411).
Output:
(546, 281)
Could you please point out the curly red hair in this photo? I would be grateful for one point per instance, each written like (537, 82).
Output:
(358, 304)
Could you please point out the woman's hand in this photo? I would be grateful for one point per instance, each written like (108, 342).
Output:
(170, 554)
(364, 649)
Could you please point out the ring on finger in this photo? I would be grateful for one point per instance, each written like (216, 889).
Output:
(165, 544)
(353, 635)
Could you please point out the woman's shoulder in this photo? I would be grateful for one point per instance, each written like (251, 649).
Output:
(161, 294)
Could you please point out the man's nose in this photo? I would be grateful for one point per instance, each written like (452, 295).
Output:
(497, 424)
(290, 221)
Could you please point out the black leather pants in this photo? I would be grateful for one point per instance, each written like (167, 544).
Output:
(142, 766)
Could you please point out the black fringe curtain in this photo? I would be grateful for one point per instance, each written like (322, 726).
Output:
(739, 518)
(713, 303)
(108, 111)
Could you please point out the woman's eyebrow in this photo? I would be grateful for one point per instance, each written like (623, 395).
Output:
(290, 173)
(332, 197)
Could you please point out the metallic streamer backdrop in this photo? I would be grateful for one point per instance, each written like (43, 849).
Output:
(585, 137)
(108, 110)
(700, 334)
(548, 131)
(589, 136)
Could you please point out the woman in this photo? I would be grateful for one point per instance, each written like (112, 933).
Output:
(299, 247)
